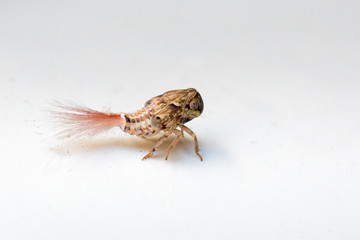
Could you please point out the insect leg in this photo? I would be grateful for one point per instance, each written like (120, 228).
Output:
(178, 134)
(160, 141)
(191, 133)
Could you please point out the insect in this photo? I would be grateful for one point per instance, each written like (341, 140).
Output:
(166, 113)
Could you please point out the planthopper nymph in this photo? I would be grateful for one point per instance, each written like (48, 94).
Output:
(164, 114)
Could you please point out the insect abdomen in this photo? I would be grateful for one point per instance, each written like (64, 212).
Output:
(139, 123)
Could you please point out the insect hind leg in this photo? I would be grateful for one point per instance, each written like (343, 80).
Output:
(157, 145)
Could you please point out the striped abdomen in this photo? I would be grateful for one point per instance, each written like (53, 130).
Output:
(139, 123)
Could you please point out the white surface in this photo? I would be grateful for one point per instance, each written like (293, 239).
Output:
(280, 133)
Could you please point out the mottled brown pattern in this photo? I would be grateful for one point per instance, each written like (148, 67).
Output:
(170, 111)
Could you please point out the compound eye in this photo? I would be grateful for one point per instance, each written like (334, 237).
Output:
(194, 104)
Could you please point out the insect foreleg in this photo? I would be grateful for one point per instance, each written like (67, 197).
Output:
(191, 133)
(160, 141)
(178, 134)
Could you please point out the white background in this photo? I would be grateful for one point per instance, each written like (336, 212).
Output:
(280, 133)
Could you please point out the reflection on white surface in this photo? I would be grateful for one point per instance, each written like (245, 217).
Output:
(279, 133)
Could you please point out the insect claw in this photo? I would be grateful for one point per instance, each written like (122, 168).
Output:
(167, 155)
(147, 156)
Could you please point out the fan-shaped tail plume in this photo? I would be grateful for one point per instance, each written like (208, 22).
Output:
(76, 121)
